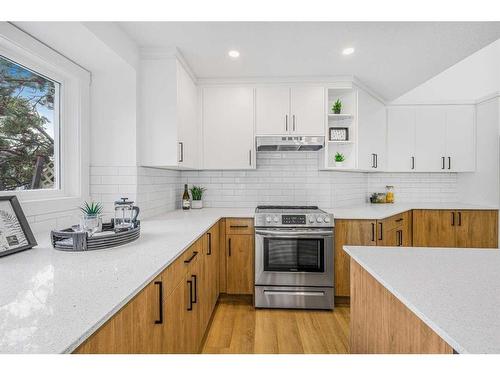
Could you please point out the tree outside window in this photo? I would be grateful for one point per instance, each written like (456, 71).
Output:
(27, 128)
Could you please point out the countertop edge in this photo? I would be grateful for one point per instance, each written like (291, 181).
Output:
(438, 330)
(70, 349)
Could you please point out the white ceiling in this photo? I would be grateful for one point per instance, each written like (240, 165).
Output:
(391, 57)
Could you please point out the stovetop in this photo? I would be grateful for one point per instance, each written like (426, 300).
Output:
(292, 216)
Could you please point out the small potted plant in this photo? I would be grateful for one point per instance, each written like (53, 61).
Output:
(337, 107)
(91, 221)
(339, 159)
(197, 195)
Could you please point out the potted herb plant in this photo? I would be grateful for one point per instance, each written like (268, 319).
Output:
(91, 220)
(337, 107)
(197, 195)
(339, 159)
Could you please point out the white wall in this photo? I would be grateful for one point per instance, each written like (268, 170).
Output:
(469, 80)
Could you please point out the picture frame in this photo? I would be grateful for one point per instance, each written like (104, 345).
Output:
(15, 232)
(339, 134)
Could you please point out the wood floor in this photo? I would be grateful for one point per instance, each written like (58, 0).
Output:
(237, 327)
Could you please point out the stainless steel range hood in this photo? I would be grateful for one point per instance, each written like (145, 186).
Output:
(276, 143)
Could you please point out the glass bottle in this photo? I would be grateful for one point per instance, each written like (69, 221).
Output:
(186, 203)
(389, 195)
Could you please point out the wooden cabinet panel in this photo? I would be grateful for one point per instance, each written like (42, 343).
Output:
(210, 276)
(395, 230)
(174, 273)
(350, 232)
(132, 329)
(381, 324)
(240, 268)
(434, 228)
(477, 228)
(239, 226)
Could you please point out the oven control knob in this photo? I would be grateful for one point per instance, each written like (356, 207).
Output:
(276, 220)
(311, 219)
(327, 219)
(268, 219)
(319, 219)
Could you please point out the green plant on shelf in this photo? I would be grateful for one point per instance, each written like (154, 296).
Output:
(337, 107)
(91, 209)
(197, 192)
(339, 158)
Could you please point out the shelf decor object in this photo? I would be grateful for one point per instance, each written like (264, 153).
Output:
(339, 134)
(15, 232)
(339, 159)
(337, 107)
(77, 239)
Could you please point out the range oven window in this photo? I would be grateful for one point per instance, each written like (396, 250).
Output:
(294, 254)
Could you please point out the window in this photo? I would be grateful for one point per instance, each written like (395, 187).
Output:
(29, 128)
(44, 125)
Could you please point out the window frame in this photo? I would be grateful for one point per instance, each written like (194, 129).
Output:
(73, 121)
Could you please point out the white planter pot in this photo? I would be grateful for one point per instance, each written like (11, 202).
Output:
(339, 163)
(197, 204)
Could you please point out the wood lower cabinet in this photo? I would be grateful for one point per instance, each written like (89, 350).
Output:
(210, 274)
(239, 264)
(395, 230)
(350, 232)
(450, 228)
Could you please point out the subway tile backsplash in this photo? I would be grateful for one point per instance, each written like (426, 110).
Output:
(280, 178)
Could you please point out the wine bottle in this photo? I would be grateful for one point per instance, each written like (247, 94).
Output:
(186, 203)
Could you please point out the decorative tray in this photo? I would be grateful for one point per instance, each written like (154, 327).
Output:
(70, 240)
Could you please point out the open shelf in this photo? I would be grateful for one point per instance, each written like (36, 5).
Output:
(340, 116)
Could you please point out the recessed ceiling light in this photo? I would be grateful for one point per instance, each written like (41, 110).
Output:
(234, 54)
(348, 51)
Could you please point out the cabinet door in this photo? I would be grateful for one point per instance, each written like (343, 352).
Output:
(371, 133)
(430, 145)
(460, 138)
(350, 232)
(228, 128)
(187, 108)
(401, 139)
(307, 111)
(272, 110)
(177, 317)
(434, 228)
(136, 328)
(240, 272)
(210, 280)
(477, 228)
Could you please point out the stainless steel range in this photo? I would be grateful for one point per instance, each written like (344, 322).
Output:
(293, 257)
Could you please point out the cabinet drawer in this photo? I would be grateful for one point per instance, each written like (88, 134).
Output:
(395, 221)
(177, 270)
(239, 226)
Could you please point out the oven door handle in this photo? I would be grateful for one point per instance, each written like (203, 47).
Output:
(275, 233)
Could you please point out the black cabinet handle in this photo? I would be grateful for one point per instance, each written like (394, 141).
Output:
(373, 231)
(195, 289)
(238, 226)
(452, 219)
(160, 302)
(190, 299)
(449, 162)
(209, 251)
(229, 246)
(376, 160)
(400, 237)
(373, 160)
(181, 150)
(381, 229)
(398, 220)
(459, 219)
(195, 253)
(413, 162)
(442, 161)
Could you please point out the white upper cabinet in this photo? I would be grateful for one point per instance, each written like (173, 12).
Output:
(401, 139)
(290, 111)
(228, 128)
(371, 133)
(431, 138)
(460, 138)
(272, 110)
(307, 110)
(168, 131)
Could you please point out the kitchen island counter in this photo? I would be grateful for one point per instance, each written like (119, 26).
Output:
(453, 291)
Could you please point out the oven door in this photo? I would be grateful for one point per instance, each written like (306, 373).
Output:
(294, 257)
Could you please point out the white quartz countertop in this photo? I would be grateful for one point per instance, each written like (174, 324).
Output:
(51, 300)
(456, 292)
(381, 211)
